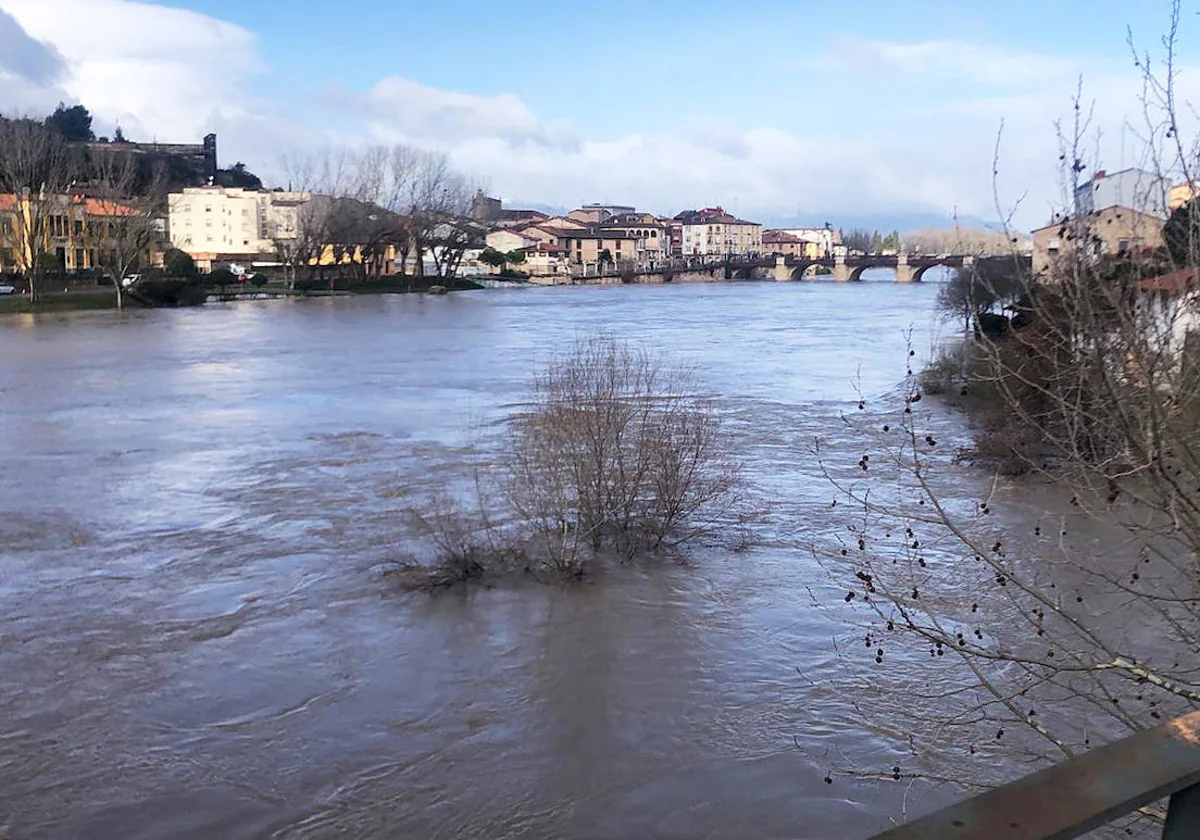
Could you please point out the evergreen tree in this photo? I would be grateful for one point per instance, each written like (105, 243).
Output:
(74, 123)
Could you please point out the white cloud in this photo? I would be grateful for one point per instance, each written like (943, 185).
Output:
(158, 71)
(401, 109)
(175, 74)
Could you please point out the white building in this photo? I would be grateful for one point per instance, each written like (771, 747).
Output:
(1143, 191)
(822, 241)
(720, 234)
(507, 240)
(212, 222)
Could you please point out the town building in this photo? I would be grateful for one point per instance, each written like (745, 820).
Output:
(781, 243)
(546, 260)
(218, 223)
(651, 234)
(1107, 232)
(77, 231)
(714, 232)
(561, 223)
(819, 242)
(540, 233)
(1134, 188)
(509, 240)
(594, 214)
(588, 246)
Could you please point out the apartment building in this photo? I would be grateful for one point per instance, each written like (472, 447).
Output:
(1137, 189)
(1109, 231)
(214, 222)
(587, 246)
(77, 231)
(714, 232)
(653, 237)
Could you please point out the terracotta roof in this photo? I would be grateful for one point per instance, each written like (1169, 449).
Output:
(102, 207)
(1174, 283)
(92, 206)
(781, 237)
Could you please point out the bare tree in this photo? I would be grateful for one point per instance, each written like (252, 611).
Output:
(1059, 610)
(38, 168)
(618, 455)
(124, 210)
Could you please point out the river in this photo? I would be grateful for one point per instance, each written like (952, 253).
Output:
(196, 642)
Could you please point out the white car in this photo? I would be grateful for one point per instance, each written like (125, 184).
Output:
(129, 279)
(6, 289)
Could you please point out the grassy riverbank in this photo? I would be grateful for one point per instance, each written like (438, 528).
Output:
(60, 302)
(97, 299)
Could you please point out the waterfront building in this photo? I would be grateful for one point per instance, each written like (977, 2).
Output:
(714, 232)
(1107, 232)
(587, 246)
(74, 229)
(653, 241)
(214, 223)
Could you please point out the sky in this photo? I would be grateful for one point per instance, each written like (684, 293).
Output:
(779, 110)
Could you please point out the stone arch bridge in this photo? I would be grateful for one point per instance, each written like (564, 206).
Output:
(909, 268)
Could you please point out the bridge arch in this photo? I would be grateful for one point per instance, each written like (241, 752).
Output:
(801, 267)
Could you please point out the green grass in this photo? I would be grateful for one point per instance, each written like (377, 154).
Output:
(69, 302)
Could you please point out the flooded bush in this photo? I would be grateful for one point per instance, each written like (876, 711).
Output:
(616, 457)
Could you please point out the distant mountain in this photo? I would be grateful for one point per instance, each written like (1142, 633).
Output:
(548, 209)
(883, 222)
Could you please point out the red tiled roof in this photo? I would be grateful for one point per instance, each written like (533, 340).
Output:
(781, 237)
(92, 206)
(103, 207)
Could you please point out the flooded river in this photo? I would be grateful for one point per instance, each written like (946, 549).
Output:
(196, 642)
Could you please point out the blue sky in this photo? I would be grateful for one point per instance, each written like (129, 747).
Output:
(775, 109)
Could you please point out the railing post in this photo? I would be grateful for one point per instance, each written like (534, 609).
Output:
(1183, 815)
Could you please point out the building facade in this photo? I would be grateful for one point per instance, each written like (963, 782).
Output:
(588, 246)
(652, 236)
(713, 232)
(75, 232)
(210, 223)
(1106, 232)
(782, 243)
(1137, 189)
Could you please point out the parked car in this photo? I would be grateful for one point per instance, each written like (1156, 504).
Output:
(129, 279)
(6, 289)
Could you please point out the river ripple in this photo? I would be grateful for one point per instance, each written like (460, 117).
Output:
(193, 642)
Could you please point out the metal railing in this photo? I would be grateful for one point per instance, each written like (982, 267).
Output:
(1084, 793)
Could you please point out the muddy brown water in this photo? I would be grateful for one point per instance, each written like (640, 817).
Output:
(195, 640)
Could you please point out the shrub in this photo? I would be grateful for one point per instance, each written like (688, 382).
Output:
(221, 277)
(179, 263)
(617, 455)
(257, 280)
(944, 373)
